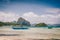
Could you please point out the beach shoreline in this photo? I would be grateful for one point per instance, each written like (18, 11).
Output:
(31, 34)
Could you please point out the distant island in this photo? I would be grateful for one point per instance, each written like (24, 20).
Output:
(41, 25)
(22, 22)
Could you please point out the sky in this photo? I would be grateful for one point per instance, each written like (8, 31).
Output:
(35, 11)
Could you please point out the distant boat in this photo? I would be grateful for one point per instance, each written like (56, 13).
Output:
(50, 27)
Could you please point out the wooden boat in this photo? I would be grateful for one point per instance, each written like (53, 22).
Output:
(19, 27)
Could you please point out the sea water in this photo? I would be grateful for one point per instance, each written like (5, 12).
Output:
(11, 27)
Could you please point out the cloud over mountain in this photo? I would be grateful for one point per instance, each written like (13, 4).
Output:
(47, 18)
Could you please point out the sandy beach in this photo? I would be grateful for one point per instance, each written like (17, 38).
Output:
(30, 34)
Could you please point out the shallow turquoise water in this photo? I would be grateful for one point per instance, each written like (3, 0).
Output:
(11, 27)
(27, 27)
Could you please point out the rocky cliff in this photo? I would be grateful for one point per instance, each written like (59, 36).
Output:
(22, 21)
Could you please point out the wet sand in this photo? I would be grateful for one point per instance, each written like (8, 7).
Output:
(30, 34)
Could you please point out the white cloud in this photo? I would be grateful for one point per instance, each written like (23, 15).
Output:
(30, 14)
(47, 18)
(52, 10)
(5, 16)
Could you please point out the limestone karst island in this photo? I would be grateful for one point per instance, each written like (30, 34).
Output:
(21, 21)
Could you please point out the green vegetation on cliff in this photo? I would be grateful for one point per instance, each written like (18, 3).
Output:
(1, 23)
(41, 25)
(7, 23)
